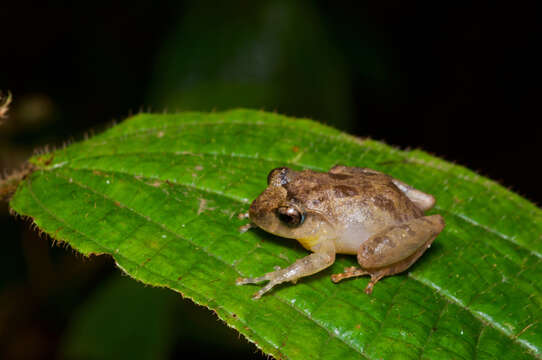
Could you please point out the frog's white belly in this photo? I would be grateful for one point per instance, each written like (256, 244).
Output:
(351, 239)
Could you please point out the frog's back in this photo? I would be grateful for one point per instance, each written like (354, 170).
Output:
(359, 203)
(360, 197)
(373, 199)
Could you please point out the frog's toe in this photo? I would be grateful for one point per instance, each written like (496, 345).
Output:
(245, 228)
(243, 215)
(348, 273)
(375, 277)
(243, 281)
(263, 290)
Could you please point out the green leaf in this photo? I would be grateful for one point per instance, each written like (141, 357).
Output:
(258, 62)
(160, 193)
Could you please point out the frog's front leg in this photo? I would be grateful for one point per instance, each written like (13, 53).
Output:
(323, 256)
(394, 249)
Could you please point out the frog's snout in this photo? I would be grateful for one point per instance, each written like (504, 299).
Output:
(263, 208)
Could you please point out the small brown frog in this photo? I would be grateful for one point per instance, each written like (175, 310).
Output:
(347, 210)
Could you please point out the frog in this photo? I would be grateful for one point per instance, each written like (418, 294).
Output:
(347, 210)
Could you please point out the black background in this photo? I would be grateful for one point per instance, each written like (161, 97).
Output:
(459, 81)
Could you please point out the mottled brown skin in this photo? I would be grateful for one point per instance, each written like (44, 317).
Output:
(347, 210)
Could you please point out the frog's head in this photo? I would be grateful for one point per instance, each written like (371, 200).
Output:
(279, 211)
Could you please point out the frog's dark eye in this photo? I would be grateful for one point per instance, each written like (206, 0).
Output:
(278, 176)
(290, 215)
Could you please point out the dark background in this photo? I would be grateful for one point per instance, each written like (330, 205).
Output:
(458, 81)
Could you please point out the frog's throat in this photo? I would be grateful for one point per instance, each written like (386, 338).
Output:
(308, 242)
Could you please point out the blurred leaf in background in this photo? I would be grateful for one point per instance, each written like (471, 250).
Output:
(124, 319)
(273, 55)
(121, 320)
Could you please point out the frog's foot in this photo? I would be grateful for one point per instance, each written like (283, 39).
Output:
(245, 228)
(244, 215)
(274, 277)
(308, 265)
(254, 280)
(374, 280)
(354, 271)
(349, 272)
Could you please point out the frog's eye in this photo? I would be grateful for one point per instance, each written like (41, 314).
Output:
(278, 176)
(290, 215)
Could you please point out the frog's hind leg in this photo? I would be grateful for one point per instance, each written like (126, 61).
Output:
(396, 248)
(374, 279)
(348, 272)
(422, 200)
(354, 271)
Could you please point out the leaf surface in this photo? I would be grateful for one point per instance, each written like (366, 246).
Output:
(161, 194)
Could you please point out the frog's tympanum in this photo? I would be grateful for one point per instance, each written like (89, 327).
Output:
(347, 210)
